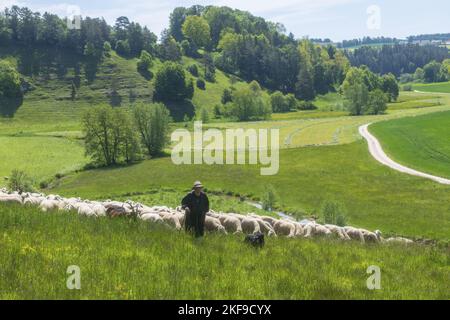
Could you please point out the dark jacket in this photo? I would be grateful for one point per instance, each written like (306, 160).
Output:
(198, 207)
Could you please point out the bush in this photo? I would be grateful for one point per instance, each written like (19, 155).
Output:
(205, 115)
(407, 87)
(171, 83)
(193, 69)
(201, 84)
(249, 104)
(145, 61)
(227, 96)
(333, 213)
(306, 105)
(269, 198)
(210, 76)
(19, 181)
(123, 48)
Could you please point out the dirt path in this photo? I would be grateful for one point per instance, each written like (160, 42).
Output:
(377, 152)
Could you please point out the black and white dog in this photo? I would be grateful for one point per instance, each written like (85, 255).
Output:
(256, 240)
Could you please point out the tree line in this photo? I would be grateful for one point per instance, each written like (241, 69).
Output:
(396, 59)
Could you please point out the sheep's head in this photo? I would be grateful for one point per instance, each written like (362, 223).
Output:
(378, 233)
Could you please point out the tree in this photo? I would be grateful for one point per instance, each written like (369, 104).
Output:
(204, 115)
(9, 81)
(249, 104)
(169, 49)
(152, 123)
(197, 30)
(304, 88)
(109, 136)
(279, 102)
(356, 98)
(107, 49)
(377, 102)
(227, 96)
(355, 91)
(432, 72)
(419, 75)
(193, 69)
(171, 84)
(73, 93)
(145, 61)
(390, 86)
(210, 68)
(201, 84)
(123, 48)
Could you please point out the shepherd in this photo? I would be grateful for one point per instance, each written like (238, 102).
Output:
(196, 205)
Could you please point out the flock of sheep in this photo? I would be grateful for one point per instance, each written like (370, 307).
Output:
(215, 222)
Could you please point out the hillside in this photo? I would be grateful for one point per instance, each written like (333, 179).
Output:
(49, 98)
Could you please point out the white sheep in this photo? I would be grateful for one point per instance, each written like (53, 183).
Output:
(213, 224)
(49, 205)
(399, 240)
(285, 228)
(85, 210)
(152, 217)
(250, 225)
(172, 221)
(299, 232)
(231, 224)
(266, 228)
(338, 231)
(270, 220)
(373, 237)
(355, 234)
(14, 198)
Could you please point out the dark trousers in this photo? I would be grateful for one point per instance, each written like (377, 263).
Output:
(195, 223)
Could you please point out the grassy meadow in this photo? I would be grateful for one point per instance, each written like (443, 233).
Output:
(441, 87)
(376, 197)
(322, 158)
(126, 259)
(422, 142)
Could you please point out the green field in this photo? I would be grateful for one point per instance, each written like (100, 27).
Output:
(422, 142)
(323, 158)
(43, 157)
(442, 87)
(126, 259)
(376, 197)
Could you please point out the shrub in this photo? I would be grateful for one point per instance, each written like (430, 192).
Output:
(201, 84)
(205, 115)
(407, 87)
(193, 69)
(333, 213)
(19, 181)
(306, 105)
(123, 48)
(227, 96)
(269, 198)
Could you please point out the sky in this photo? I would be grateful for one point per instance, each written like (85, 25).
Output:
(334, 19)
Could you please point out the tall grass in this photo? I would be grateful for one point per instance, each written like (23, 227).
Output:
(125, 259)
